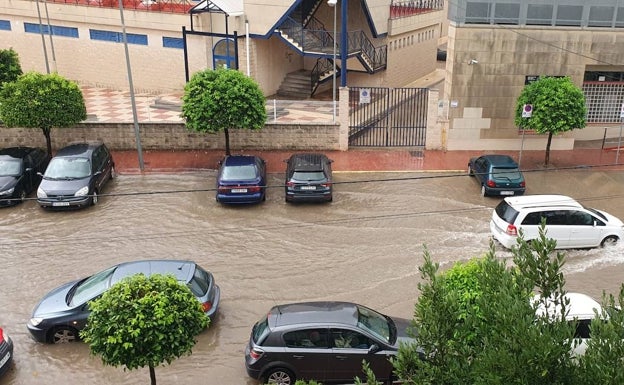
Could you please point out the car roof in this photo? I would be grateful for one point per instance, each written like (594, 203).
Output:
(75, 149)
(240, 160)
(501, 160)
(315, 313)
(182, 270)
(530, 201)
(16, 152)
(308, 161)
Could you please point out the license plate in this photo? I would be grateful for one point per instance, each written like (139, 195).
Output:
(5, 359)
(507, 193)
(308, 187)
(57, 204)
(239, 190)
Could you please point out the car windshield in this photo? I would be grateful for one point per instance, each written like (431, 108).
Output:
(506, 173)
(377, 324)
(308, 175)
(10, 167)
(90, 288)
(239, 172)
(260, 330)
(200, 282)
(506, 212)
(598, 213)
(72, 168)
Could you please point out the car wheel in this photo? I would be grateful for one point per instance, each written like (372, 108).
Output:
(611, 240)
(470, 172)
(94, 198)
(22, 195)
(483, 192)
(63, 335)
(279, 376)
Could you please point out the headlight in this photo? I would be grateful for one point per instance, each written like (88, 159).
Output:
(82, 192)
(7, 192)
(35, 321)
(41, 193)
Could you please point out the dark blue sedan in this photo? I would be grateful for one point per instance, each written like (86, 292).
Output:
(497, 175)
(241, 179)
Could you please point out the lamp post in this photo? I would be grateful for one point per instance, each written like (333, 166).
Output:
(333, 3)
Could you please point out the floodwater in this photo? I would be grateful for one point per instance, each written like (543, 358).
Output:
(364, 247)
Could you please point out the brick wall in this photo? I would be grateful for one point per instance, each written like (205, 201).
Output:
(175, 136)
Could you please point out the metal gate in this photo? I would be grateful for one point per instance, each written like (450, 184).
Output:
(387, 117)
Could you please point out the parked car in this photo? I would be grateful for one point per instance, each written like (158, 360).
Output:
(6, 351)
(323, 341)
(308, 178)
(20, 173)
(63, 312)
(568, 222)
(241, 179)
(75, 176)
(497, 175)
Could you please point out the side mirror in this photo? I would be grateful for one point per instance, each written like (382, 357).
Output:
(28, 169)
(374, 348)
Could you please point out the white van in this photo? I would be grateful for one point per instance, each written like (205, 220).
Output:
(568, 222)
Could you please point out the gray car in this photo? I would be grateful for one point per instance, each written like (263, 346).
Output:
(323, 341)
(63, 312)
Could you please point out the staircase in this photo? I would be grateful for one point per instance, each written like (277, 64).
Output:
(296, 85)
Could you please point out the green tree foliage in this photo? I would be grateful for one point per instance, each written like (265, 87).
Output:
(369, 375)
(558, 106)
(36, 100)
(217, 100)
(477, 322)
(10, 68)
(144, 321)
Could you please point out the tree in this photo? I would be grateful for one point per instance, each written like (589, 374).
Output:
(558, 106)
(36, 100)
(217, 100)
(477, 322)
(10, 68)
(144, 321)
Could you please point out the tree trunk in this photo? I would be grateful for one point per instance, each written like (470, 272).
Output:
(227, 141)
(152, 375)
(547, 159)
(46, 133)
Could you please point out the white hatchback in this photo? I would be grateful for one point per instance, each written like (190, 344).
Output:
(568, 222)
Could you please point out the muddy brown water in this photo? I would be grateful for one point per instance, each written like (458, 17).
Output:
(364, 247)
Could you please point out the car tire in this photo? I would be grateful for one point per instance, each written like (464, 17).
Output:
(279, 376)
(63, 335)
(611, 240)
(22, 195)
(483, 191)
(94, 198)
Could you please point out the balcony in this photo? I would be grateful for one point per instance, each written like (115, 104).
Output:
(170, 6)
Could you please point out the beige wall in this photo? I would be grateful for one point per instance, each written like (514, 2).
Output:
(482, 96)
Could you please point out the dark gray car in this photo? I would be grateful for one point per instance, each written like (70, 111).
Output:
(20, 173)
(63, 312)
(75, 176)
(323, 341)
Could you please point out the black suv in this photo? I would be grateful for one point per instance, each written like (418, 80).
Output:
(323, 341)
(308, 178)
(75, 176)
(20, 173)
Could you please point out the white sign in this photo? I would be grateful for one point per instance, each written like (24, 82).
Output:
(527, 110)
(365, 95)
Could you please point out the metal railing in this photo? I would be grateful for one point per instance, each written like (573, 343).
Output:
(171, 6)
(407, 8)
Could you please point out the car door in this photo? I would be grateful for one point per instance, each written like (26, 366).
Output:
(585, 229)
(307, 350)
(349, 349)
(481, 169)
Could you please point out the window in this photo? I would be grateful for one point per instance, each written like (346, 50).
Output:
(569, 15)
(117, 37)
(478, 13)
(580, 218)
(532, 219)
(223, 54)
(601, 16)
(582, 329)
(56, 30)
(349, 339)
(539, 14)
(172, 42)
(5, 25)
(506, 13)
(307, 338)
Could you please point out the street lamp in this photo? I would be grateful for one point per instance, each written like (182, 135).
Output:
(332, 3)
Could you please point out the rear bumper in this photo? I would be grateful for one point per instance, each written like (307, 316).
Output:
(505, 239)
(502, 191)
(308, 197)
(240, 199)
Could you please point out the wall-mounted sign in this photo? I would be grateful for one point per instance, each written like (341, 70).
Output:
(365, 95)
(528, 79)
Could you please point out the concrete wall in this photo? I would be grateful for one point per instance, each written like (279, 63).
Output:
(482, 95)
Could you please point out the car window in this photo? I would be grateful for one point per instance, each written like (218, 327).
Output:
(10, 167)
(534, 218)
(600, 215)
(238, 172)
(68, 168)
(556, 217)
(91, 287)
(580, 218)
(582, 328)
(506, 212)
(260, 330)
(200, 282)
(307, 338)
(349, 339)
(506, 173)
(375, 323)
(308, 175)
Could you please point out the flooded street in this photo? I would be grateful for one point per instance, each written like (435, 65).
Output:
(364, 247)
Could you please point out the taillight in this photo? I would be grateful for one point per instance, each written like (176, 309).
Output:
(224, 189)
(290, 184)
(523, 184)
(254, 189)
(490, 183)
(327, 185)
(255, 353)
(511, 230)
(1, 335)
(206, 306)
